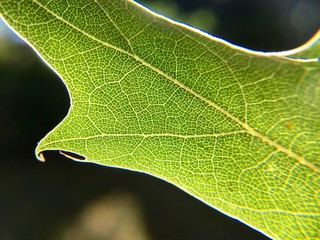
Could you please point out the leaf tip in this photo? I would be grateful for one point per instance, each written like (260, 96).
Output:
(40, 157)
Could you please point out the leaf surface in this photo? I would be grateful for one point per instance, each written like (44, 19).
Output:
(237, 129)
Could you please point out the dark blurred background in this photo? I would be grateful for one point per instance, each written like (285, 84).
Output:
(66, 200)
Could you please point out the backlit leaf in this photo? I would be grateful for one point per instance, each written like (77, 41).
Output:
(237, 129)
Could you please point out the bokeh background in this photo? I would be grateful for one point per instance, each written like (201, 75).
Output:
(66, 200)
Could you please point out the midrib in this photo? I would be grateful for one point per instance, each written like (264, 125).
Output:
(250, 130)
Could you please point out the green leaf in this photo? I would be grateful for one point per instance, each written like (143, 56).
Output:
(237, 129)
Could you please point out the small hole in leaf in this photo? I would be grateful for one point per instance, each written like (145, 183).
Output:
(72, 155)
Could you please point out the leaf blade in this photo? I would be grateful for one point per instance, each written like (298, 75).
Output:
(194, 122)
